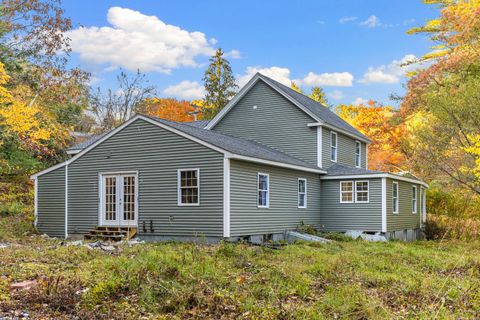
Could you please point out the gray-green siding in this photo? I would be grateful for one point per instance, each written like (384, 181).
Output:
(336, 216)
(405, 219)
(283, 214)
(51, 203)
(345, 150)
(156, 154)
(276, 122)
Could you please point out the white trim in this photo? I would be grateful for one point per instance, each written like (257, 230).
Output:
(299, 193)
(424, 206)
(351, 135)
(342, 192)
(368, 191)
(244, 90)
(66, 201)
(319, 146)
(267, 190)
(414, 208)
(359, 154)
(72, 152)
(366, 156)
(35, 202)
(374, 175)
(275, 164)
(333, 133)
(397, 202)
(179, 193)
(226, 197)
(55, 167)
(384, 204)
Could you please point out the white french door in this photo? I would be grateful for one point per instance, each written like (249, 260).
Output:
(119, 199)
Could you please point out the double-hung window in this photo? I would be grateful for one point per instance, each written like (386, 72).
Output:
(302, 193)
(361, 191)
(395, 197)
(358, 154)
(333, 146)
(414, 199)
(188, 187)
(263, 190)
(346, 191)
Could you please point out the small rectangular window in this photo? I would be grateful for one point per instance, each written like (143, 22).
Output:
(358, 154)
(263, 190)
(361, 191)
(414, 199)
(302, 193)
(395, 197)
(188, 187)
(333, 146)
(346, 191)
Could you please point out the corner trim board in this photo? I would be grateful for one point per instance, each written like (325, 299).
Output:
(35, 201)
(66, 201)
(319, 146)
(384, 204)
(226, 197)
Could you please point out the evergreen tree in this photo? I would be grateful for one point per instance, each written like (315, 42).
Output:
(219, 84)
(319, 95)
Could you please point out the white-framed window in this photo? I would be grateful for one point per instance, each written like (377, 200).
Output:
(414, 199)
(346, 191)
(395, 197)
(263, 200)
(361, 191)
(358, 154)
(333, 146)
(188, 187)
(302, 192)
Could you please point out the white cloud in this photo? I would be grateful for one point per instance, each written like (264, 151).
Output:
(408, 22)
(234, 54)
(391, 73)
(337, 79)
(360, 101)
(374, 22)
(137, 41)
(335, 94)
(187, 90)
(347, 19)
(280, 74)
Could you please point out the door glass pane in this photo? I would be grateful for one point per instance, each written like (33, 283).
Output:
(129, 198)
(110, 198)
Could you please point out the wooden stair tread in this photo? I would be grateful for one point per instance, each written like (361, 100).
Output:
(111, 233)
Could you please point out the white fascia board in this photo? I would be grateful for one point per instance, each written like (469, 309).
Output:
(323, 124)
(373, 176)
(276, 164)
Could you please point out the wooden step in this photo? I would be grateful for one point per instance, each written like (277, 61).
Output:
(111, 233)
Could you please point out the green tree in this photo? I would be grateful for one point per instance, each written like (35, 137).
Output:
(319, 95)
(219, 84)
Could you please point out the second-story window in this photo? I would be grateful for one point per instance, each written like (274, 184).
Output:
(358, 154)
(333, 146)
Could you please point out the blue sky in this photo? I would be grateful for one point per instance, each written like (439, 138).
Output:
(353, 49)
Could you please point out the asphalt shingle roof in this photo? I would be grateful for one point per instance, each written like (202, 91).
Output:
(87, 143)
(342, 170)
(199, 124)
(316, 108)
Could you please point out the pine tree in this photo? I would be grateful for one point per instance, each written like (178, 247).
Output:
(319, 95)
(219, 84)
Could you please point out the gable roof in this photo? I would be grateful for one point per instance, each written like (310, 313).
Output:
(232, 147)
(314, 109)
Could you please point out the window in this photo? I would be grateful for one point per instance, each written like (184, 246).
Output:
(263, 190)
(361, 191)
(188, 187)
(346, 191)
(302, 193)
(333, 146)
(414, 199)
(358, 154)
(395, 197)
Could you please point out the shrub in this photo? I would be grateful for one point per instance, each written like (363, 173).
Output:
(11, 209)
(441, 227)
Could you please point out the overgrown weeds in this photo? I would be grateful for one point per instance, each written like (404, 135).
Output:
(440, 227)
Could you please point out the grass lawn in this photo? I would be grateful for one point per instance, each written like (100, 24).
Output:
(352, 280)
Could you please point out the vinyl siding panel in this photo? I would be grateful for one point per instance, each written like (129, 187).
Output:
(336, 216)
(345, 150)
(276, 122)
(405, 219)
(283, 214)
(156, 154)
(51, 203)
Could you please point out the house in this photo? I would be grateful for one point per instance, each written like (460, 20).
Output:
(269, 161)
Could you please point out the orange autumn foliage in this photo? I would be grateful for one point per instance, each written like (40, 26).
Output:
(169, 109)
(379, 123)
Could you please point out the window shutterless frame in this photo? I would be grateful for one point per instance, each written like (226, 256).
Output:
(349, 191)
(263, 191)
(333, 146)
(360, 189)
(196, 187)
(358, 154)
(414, 199)
(302, 193)
(395, 197)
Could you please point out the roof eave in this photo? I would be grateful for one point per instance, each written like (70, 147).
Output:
(373, 176)
(323, 124)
